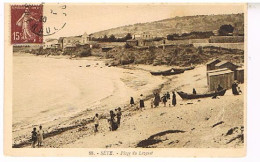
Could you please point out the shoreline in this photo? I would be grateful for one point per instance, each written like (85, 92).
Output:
(81, 128)
(75, 123)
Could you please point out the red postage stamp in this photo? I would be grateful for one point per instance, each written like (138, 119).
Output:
(26, 24)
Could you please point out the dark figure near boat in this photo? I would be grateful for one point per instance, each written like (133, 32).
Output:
(219, 88)
(174, 99)
(194, 91)
(132, 101)
(234, 89)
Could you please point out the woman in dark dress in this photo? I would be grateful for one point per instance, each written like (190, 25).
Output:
(173, 98)
(194, 91)
(113, 124)
(132, 101)
(156, 99)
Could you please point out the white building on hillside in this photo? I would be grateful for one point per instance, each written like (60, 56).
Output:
(74, 40)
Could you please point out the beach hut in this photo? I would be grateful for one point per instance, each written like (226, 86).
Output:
(211, 64)
(223, 78)
(239, 75)
(214, 71)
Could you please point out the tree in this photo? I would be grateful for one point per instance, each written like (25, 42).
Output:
(128, 36)
(112, 38)
(105, 38)
(225, 29)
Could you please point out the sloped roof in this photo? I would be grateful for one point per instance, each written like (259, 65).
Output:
(240, 68)
(212, 61)
(217, 70)
(224, 62)
(220, 72)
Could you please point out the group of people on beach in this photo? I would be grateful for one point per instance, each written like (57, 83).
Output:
(155, 101)
(37, 137)
(113, 120)
(115, 116)
(164, 99)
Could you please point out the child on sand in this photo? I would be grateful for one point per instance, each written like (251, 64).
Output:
(34, 137)
(40, 136)
(96, 123)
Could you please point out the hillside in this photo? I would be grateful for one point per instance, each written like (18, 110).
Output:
(178, 25)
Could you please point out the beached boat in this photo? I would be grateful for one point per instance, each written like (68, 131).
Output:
(160, 72)
(184, 68)
(173, 72)
(184, 95)
(156, 73)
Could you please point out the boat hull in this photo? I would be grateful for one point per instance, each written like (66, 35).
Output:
(184, 95)
(185, 68)
(173, 73)
(160, 72)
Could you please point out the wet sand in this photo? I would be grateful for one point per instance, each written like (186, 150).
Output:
(194, 123)
(57, 92)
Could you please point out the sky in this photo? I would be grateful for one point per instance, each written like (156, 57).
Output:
(76, 19)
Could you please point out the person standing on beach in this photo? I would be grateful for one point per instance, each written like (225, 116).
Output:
(156, 99)
(132, 101)
(34, 137)
(194, 91)
(141, 101)
(113, 125)
(219, 88)
(168, 95)
(234, 89)
(96, 123)
(118, 116)
(164, 99)
(40, 136)
(173, 98)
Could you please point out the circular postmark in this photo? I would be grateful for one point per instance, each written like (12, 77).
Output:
(54, 18)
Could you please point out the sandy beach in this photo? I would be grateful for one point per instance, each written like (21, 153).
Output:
(63, 95)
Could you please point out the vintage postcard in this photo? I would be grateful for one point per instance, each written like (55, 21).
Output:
(128, 80)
